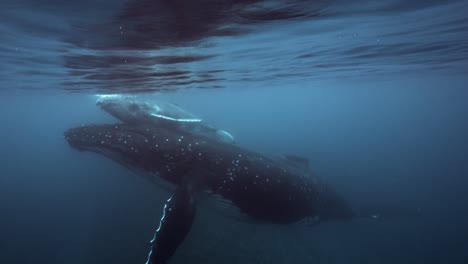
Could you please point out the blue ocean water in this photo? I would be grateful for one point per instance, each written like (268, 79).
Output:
(373, 94)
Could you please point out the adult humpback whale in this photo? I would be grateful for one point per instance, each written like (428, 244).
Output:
(263, 188)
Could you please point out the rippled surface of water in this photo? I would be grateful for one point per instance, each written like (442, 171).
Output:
(133, 46)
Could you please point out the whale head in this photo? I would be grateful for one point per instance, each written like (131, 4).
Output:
(148, 148)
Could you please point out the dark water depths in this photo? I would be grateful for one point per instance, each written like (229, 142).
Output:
(374, 94)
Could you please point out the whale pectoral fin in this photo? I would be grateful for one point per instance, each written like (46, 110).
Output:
(178, 214)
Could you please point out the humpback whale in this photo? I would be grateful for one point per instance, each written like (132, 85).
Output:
(263, 188)
(130, 109)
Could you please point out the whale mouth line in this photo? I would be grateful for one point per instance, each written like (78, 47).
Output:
(189, 120)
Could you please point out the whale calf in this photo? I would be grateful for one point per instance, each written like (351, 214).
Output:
(262, 188)
(133, 110)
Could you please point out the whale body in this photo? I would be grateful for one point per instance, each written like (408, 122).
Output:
(262, 188)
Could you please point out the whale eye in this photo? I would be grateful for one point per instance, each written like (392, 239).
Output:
(133, 107)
